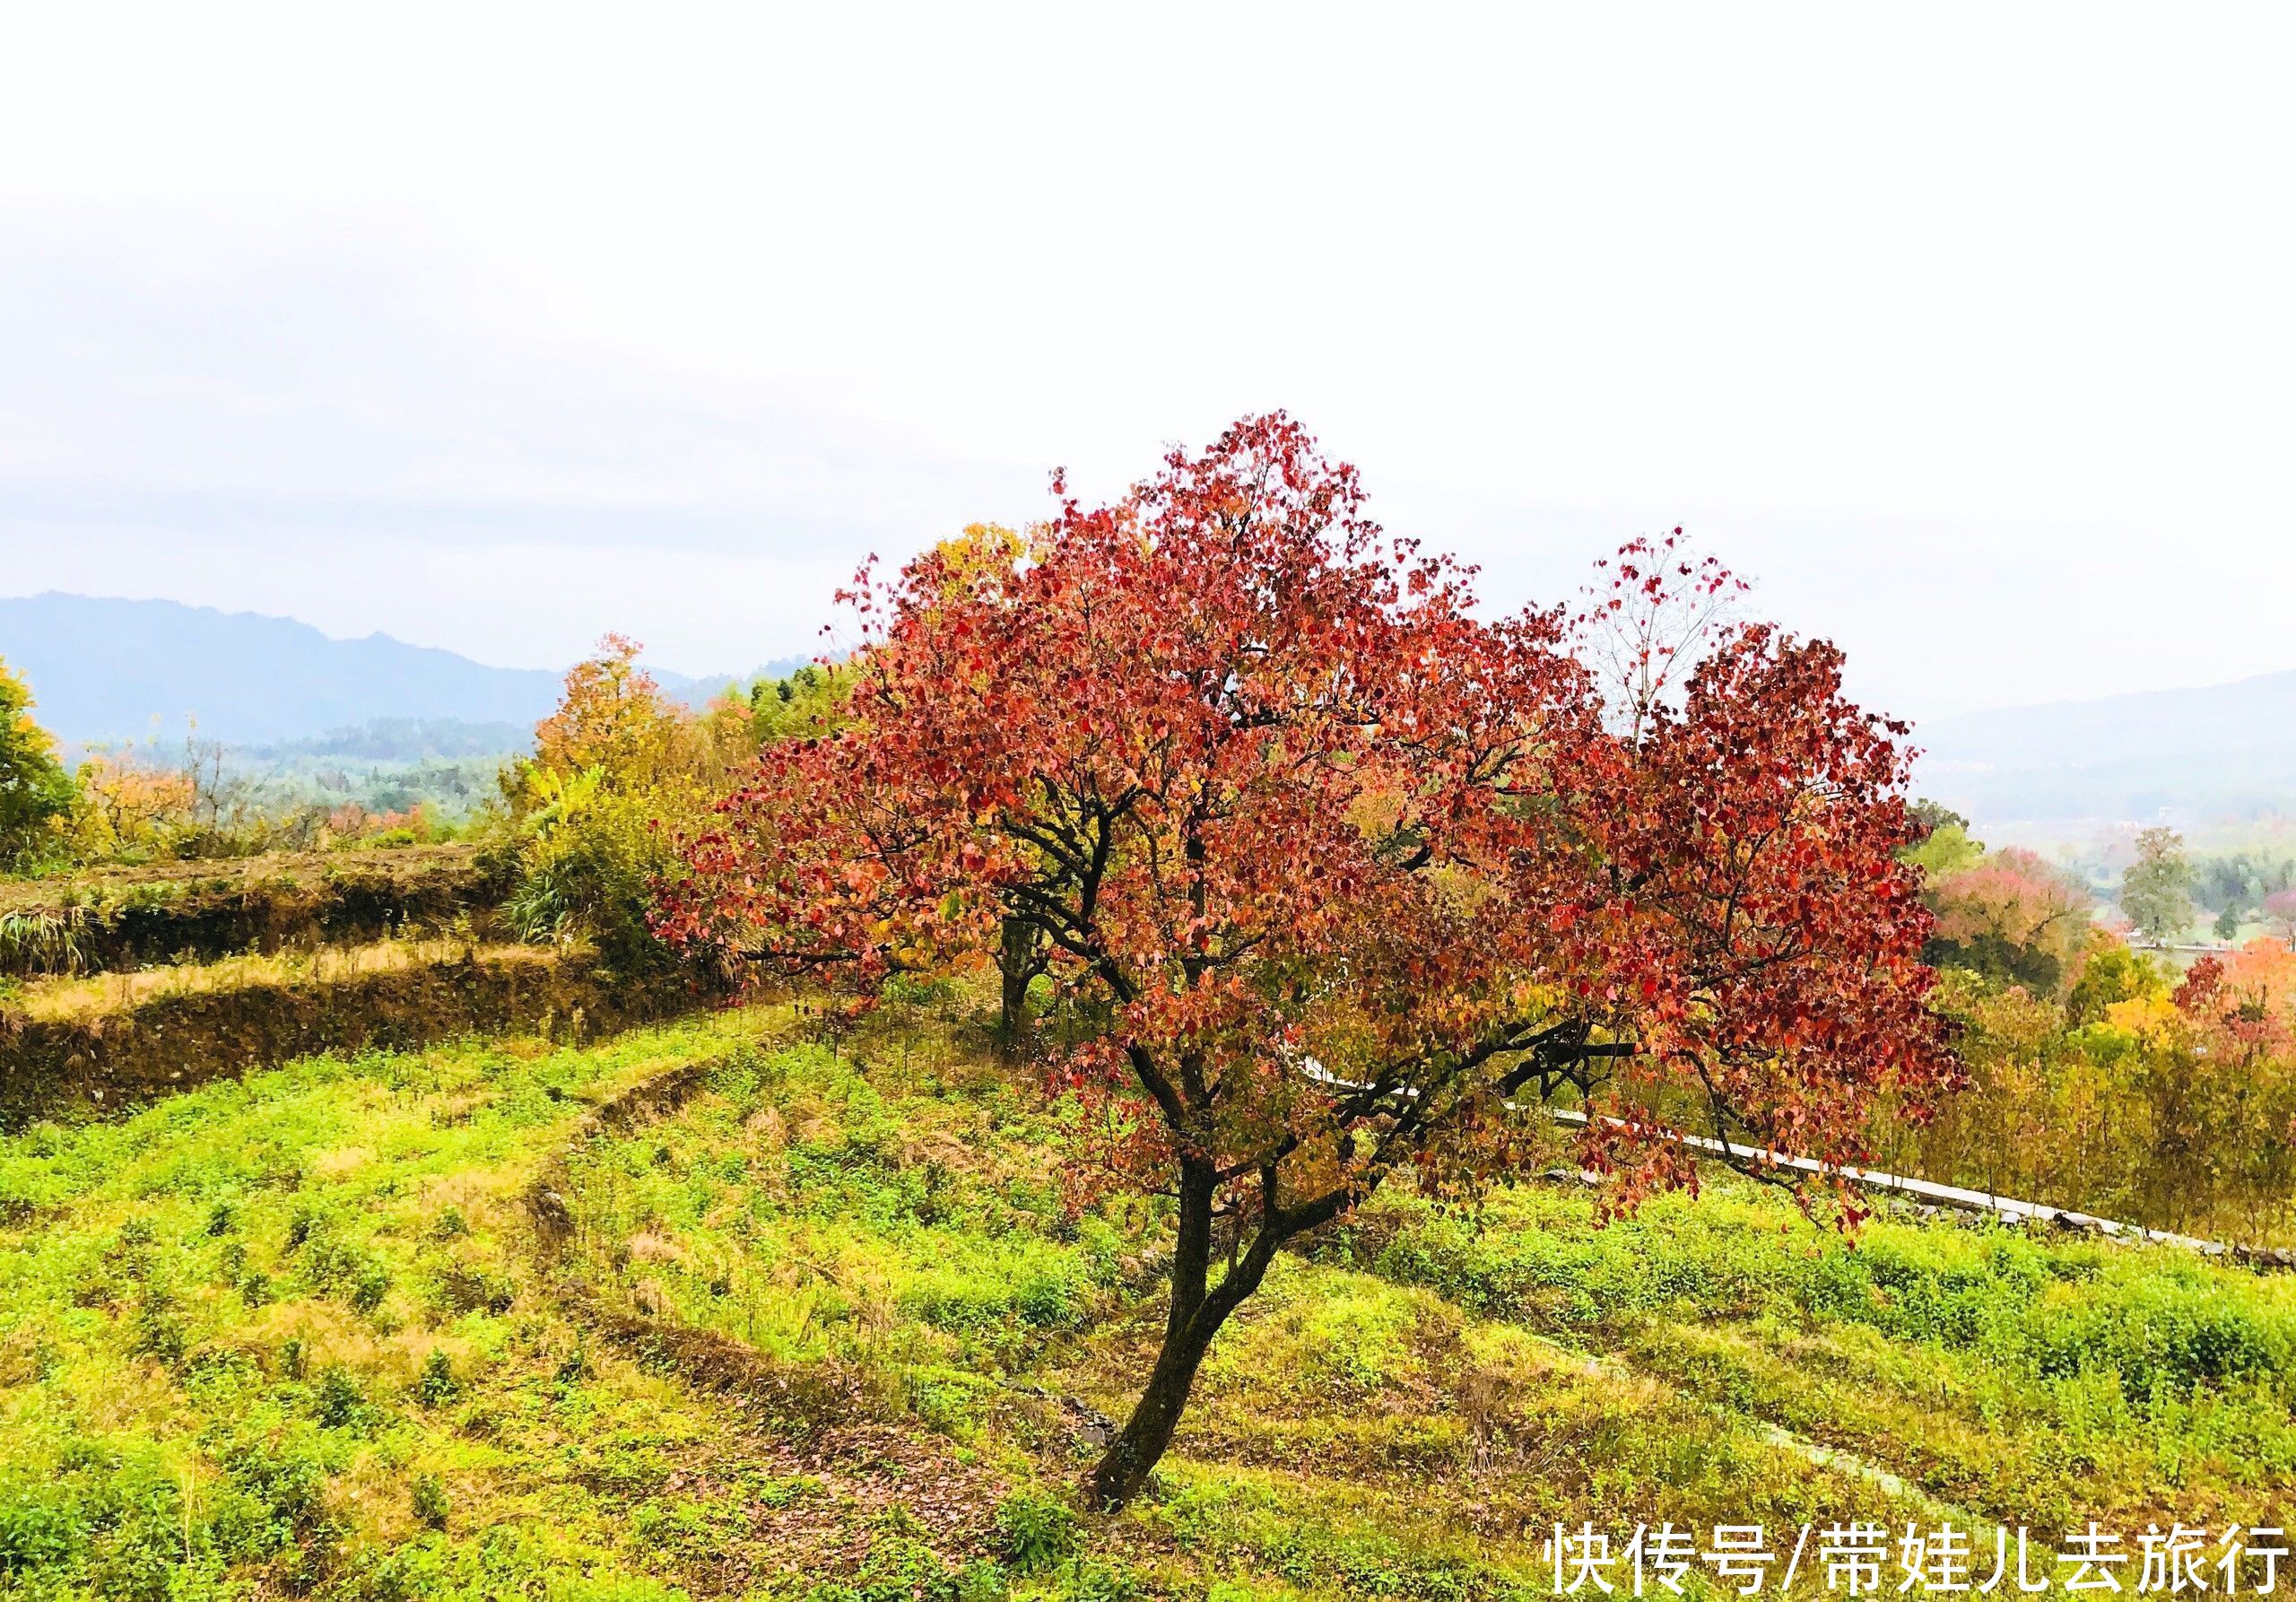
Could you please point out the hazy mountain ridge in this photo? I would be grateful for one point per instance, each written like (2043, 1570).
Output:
(103, 669)
(399, 739)
(2209, 750)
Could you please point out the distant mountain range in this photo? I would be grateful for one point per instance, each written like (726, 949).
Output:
(104, 670)
(2218, 750)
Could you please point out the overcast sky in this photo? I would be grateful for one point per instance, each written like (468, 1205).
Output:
(1967, 332)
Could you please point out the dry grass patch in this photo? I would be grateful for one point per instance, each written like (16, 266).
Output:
(94, 996)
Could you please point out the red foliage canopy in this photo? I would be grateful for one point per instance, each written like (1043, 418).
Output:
(1350, 873)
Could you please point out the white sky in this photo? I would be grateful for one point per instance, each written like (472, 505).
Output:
(1966, 331)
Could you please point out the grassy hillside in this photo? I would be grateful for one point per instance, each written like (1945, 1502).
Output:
(713, 1309)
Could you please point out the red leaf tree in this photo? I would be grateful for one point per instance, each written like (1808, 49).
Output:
(1352, 879)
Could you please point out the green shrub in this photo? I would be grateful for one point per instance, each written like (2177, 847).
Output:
(42, 1525)
(283, 1484)
(333, 1267)
(436, 1385)
(161, 1331)
(902, 1568)
(504, 1562)
(428, 1495)
(1034, 1534)
(588, 856)
(338, 1401)
(949, 1401)
(138, 1558)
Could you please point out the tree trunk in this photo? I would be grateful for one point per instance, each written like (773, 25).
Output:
(1198, 1310)
(1134, 1454)
(1018, 960)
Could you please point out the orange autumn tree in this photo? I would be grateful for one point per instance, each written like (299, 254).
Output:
(612, 717)
(1349, 878)
(2014, 918)
(129, 800)
(2210, 1070)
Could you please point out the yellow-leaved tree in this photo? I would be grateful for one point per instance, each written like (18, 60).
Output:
(616, 769)
(37, 795)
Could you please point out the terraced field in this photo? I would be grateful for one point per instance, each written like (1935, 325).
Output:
(713, 1308)
(119, 985)
(105, 918)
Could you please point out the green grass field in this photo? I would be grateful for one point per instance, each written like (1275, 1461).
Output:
(471, 1322)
